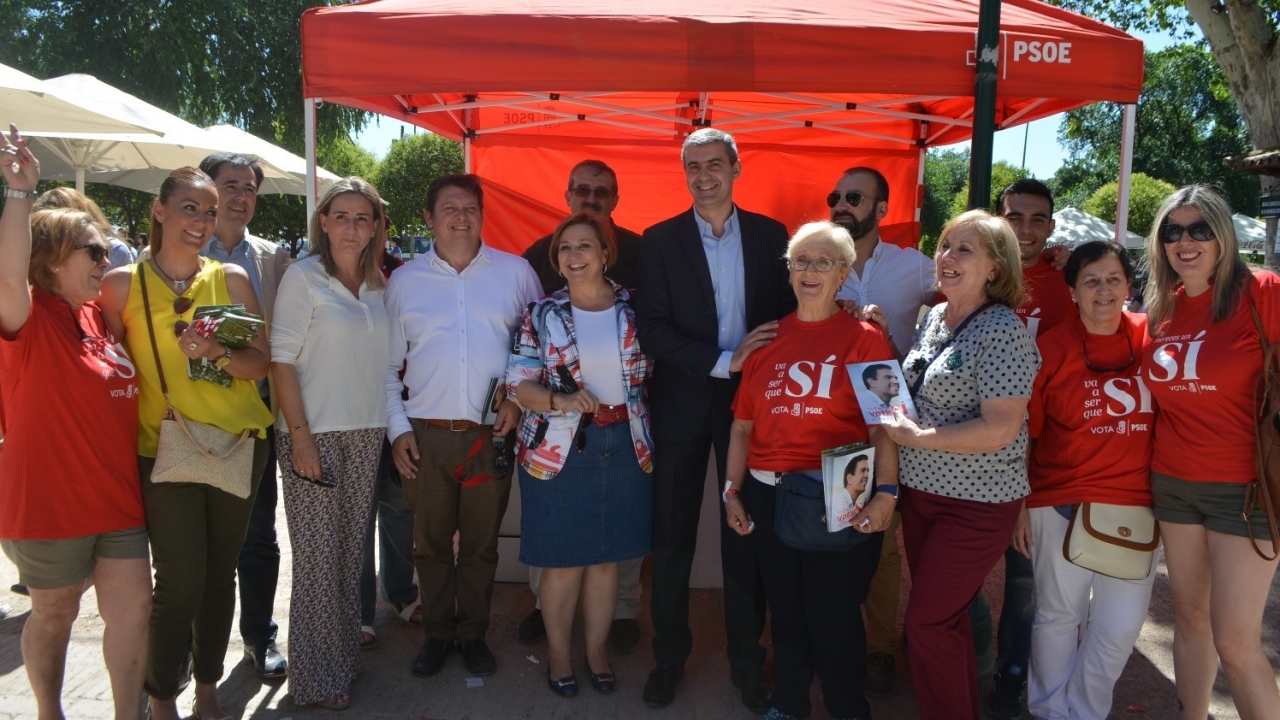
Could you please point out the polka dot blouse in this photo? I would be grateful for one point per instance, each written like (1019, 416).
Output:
(993, 357)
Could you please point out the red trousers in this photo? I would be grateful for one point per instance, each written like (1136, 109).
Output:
(951, 547)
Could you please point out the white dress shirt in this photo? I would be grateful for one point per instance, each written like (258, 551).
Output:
(898, 280)
(455, 331)
(337, 343)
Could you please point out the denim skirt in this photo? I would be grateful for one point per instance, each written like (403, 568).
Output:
(597, 509)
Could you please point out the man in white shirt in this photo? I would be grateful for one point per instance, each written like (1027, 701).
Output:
(453, 312)
(899, 281)
(883, 383)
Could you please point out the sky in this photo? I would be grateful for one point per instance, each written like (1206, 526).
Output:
(1043, 153)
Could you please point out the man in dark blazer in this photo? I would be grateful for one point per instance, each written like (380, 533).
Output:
(712, 286)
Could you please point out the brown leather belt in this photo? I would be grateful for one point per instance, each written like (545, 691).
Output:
(455, 425)
(607, 415)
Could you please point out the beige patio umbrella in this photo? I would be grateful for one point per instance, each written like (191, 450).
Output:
(35, 106)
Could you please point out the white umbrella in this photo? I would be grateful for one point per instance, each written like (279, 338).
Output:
(1251, 234)
(135, 161)
(1075, 227)
(35, 106)
(230, 136)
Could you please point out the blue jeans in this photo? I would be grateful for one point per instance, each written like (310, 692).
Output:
(259, 565)
(395, 536)
(1013, 641)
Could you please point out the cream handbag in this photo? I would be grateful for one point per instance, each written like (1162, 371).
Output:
(1115, 540)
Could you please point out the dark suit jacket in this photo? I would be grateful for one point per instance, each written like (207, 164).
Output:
(676, 312)
(622, 271)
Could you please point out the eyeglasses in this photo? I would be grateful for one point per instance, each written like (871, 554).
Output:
(96, 251)
(582, 192)
(181, 305)
(1095, 368)
(500, 460)
(854, 199)
(821, 265)
(1199, 231)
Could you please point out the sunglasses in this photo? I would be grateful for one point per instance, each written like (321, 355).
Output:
(180, 307)
(96, 252)
(854, 199)
(803, 263)
(582, 192)
(1199, 231)
(1132, 359)
(500, 463)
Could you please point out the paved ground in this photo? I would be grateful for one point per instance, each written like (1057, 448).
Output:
(387, 690)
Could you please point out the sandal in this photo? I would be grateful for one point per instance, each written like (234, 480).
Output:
(341, 701)
(410, 613)
(368, 638)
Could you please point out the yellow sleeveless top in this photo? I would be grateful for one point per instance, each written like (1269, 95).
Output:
(232, 409)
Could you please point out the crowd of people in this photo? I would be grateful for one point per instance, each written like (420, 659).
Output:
(1016, 398)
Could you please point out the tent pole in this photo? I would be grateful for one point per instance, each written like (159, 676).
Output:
(924, 151)
(309, 122)
(80, 180)
(1126, 172)
(987, 56)
(466, 140)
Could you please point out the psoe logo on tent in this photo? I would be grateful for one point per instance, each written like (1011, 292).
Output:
(1040, 51)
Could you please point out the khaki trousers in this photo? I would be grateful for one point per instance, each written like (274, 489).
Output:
(881, 606)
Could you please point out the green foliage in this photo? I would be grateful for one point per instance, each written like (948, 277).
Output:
(1187, 122)
(1150, 15)
(1002, 175)
(1145, 195)
(404, 174)
(344, 158)
(945, 173)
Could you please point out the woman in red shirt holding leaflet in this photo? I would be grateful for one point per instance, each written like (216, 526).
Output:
(70, 500)
(1202, 368)
(796, 400)
(1090, 419)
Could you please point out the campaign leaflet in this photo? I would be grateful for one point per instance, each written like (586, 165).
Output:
(880, 388)
(848, 480)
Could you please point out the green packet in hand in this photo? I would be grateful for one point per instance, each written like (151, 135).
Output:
(233, 326)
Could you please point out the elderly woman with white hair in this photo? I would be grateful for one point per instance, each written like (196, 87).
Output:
(775, 455)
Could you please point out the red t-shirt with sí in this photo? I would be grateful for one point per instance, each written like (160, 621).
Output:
(1047, 299)
(797, 391)
(69, 466)
(1203, 376)
(1092, 426)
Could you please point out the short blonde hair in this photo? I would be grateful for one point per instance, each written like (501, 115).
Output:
(823, 230)
(54, 234)
(1001, 245)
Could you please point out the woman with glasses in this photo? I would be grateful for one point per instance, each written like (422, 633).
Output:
(196, 529)
(70, 505)
(329, 351)
(970, 372)
(795, 400)
(1090, 423)
(585, 455)
(1202, 367)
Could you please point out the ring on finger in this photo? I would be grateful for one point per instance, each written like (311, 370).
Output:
(193, 347)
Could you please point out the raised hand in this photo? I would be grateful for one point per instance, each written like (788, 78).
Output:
(21, 169)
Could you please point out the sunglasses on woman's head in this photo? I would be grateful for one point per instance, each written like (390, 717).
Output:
(1199, 231)
(96, 251)
(180, 307)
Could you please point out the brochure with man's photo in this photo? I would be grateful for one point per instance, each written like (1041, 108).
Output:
(880, 388)
(848, 480)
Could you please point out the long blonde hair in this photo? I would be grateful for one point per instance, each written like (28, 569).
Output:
(371, 256)
(1229, 275)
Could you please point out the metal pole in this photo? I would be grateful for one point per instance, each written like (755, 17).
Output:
(309, 122)
(984, 104)
(1126, 172)
(1026, 135)
(80, 180)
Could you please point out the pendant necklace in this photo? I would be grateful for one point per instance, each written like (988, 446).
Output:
(179, 286)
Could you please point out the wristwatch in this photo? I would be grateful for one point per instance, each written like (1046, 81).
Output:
(20, 194)
(225, 360)
(890, 490)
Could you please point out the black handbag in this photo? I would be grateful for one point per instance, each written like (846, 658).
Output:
(800, 517)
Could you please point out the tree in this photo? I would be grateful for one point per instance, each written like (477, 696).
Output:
(1145, 195)
(1186, 123)
(945, 173)
(404, 174)
(1002, 175)
(1243, 37)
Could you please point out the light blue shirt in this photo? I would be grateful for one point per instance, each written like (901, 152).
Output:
(239, 256)
(724, 258)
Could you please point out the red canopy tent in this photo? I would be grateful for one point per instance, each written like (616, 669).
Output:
(808, 87)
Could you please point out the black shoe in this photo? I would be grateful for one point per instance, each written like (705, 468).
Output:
(477, 658)
(604, 683)
(430, 659)
(660, 688)
(624, 635)
(566, 686)
(1005, 702)
(756, 694)
(881, 675)
(19, 589)
(531, 629)
(267, 661)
